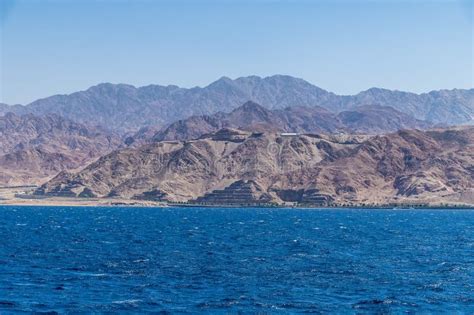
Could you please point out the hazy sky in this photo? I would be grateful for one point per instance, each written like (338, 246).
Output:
(51, 47)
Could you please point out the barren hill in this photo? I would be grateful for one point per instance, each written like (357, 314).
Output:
(232, 165)
(34, 148)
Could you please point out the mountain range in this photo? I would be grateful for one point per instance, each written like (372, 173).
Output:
(125, 108)
(250, 140)
(34, 148)
(238, 167)
(254, 117)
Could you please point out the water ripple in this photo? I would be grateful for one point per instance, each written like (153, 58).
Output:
(56, 260)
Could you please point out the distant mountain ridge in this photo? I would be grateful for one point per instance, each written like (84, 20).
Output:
(254, 117)
(123, 107)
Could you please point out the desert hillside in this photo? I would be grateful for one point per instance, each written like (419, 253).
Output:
(35, 148)
(234, 166)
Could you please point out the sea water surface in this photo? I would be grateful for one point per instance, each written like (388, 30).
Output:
(78, 259)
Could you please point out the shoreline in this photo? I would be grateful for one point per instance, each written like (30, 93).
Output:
(98, 202)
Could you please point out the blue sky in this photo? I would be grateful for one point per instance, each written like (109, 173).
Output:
(51, 47)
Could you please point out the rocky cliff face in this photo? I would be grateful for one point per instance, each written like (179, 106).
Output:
(254, 117)
(34, 148)
(430, 166)
(407, 165)
(125, 108)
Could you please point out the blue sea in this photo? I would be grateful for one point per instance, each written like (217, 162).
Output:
(195, 260)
